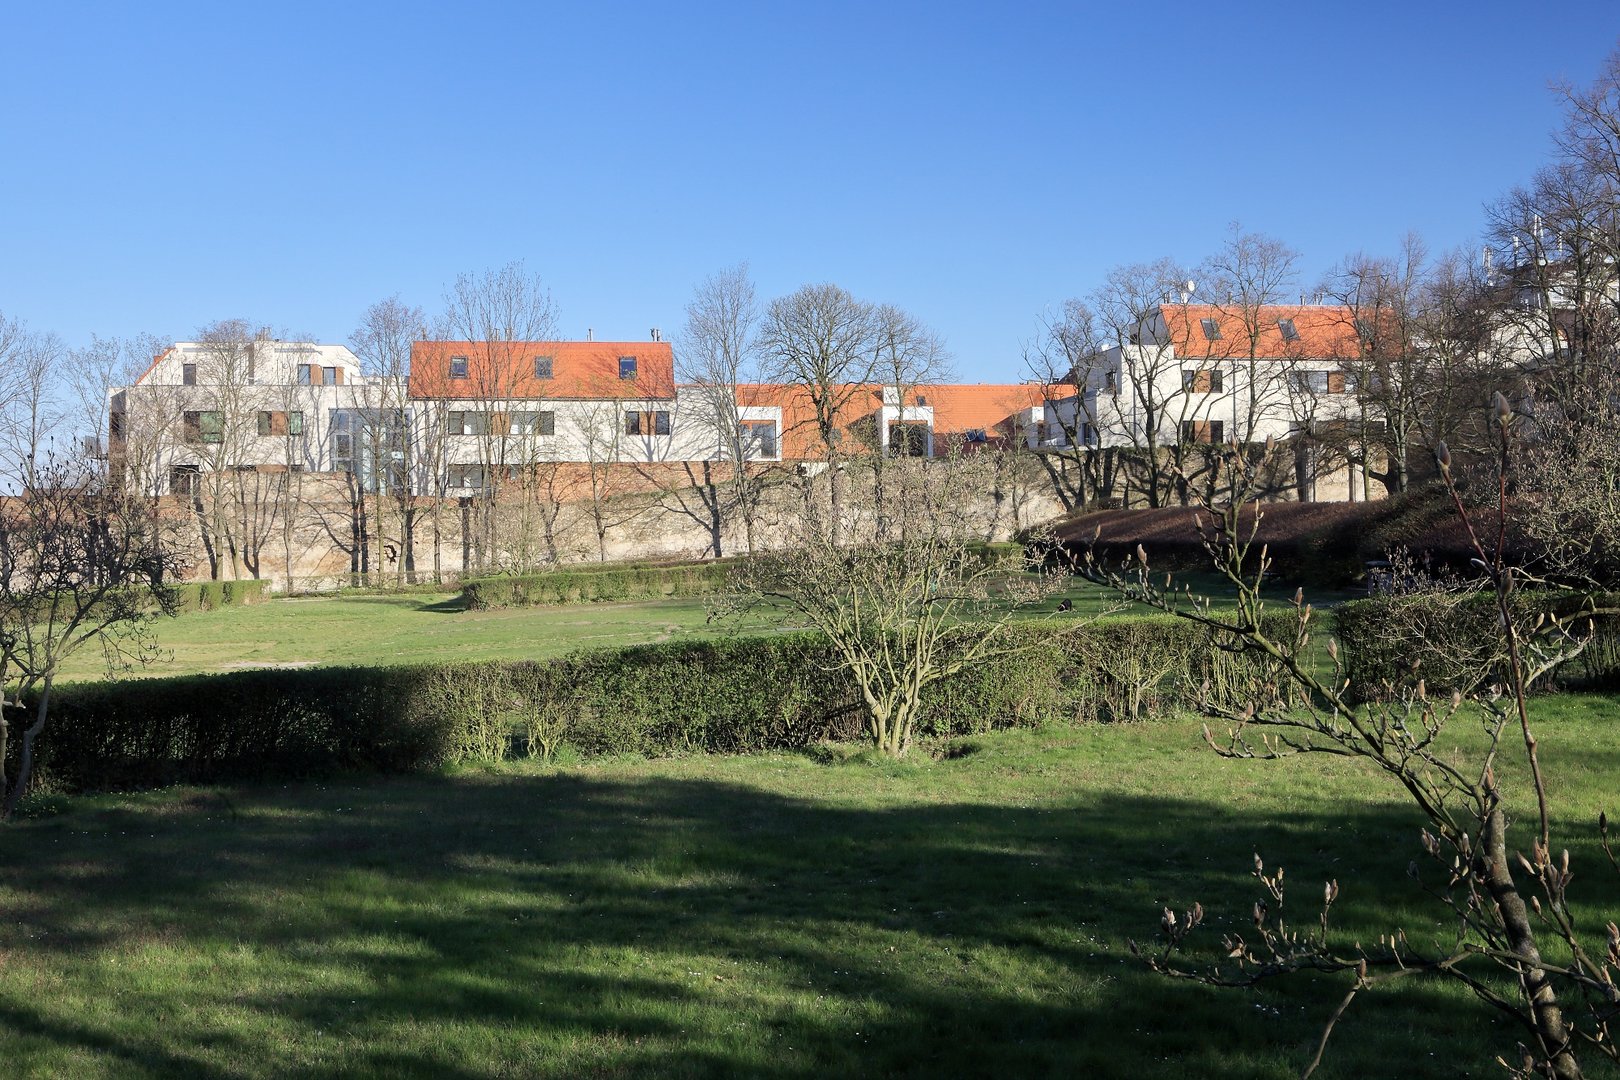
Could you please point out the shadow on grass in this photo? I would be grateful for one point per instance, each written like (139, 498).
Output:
(450, 605)
(582, 923)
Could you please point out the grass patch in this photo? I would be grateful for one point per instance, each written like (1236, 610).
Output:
(788, 915)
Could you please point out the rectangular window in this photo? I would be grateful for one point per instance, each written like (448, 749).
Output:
(632, 423)
(467, 422)
(466, 476)
(758, 438)
(546, 424)
(1202, 431)
(203, 427)
(1088, 434)
(188, 374)
(295, 423)
(1212, 328)
(1111, 382)
(661, 422)
(542, 367)
(1319, 382)
(304, 374)
(266, 423)
(334, 376)
(115, 426)
(183, 480)
(534, 423)
(1201, 381)
(627, 367)
(458, 367)
(1290, 332)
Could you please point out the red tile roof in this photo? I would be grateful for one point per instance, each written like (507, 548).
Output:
(581, 370)
(1326, 332)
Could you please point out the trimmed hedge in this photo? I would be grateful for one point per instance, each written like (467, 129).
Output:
(598, 583)
(1456, 643)
(213, 595)
(731, 696)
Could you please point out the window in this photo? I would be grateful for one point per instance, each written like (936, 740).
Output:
(1202, 431)
(1201, 381)
(646, 423)
(534, 423)
(1321, 382)
(1088, 434)
(543, 367)
(467, 422)
(267, 423)
(183, 480)
(1212, 328)
(465, 476)
(458, 367)
(334, 376)
(295, 423)
(1290, 332)
(758, 438)
(304, 374)
(1111, 382)
(203, 427)
(632, 423)
(908, 440)
(627, 367)
(188, 374)
(115, 426)
(661, 422)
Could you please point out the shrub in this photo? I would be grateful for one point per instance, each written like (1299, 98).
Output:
(1454, 641)
(737, 695)
(596, 583)
(213, 595)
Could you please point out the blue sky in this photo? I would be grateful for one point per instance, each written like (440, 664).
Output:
(167, 165)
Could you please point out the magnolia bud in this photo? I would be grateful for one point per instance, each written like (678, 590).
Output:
(1442, 456)
(1504, 411)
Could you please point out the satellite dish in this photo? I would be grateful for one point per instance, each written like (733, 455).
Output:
(1190, 286)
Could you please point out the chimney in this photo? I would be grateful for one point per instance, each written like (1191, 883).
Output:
(655, 334)
(590, 334)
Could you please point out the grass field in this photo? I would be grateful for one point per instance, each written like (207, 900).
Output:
(406, 628)
(799, 915)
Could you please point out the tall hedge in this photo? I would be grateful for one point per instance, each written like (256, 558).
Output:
(730, 695)
(212, 595)
(587, 584)
(1456, 643)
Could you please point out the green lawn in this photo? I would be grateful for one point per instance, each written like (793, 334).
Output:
(796, 915)
(407, 628)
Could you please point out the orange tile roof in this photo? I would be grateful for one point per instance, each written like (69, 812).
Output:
(156, 360)
(584, 370)
(1326, 332)
(958, 408)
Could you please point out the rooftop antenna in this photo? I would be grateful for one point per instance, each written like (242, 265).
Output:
(590, 333)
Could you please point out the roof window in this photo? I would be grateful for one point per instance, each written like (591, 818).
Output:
(1290, 332)
(627, 367)
(542, 367)
(1212, 328)
(458, 367)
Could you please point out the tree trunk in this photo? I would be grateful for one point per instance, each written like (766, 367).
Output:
(1547, 1016)
(25, 760)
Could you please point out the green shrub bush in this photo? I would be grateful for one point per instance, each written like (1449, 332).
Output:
(1456, 643)
(213, 595)
(590, 584)
(736, 695)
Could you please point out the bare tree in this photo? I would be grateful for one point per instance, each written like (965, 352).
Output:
(716, 356)
(908, 355)
(383, 342)
(900, 615)
(81, 563)
(500, 314)
(823, 341)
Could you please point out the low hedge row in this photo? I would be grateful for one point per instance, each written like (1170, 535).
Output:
(1456, 643)
(729, 696)
(587, 584)
(213, 595)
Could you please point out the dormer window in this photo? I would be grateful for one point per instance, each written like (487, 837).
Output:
(1212, 329)
(627, 367)
(1290, 332)
(458, 367)
(542, 367)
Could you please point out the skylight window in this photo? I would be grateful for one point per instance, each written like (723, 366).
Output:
(1212, 328)
(1290, 332)
(542, 367)
(627, 367)
(458, 367)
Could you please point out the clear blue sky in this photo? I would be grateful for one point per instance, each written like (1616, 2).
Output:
(166, 165)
